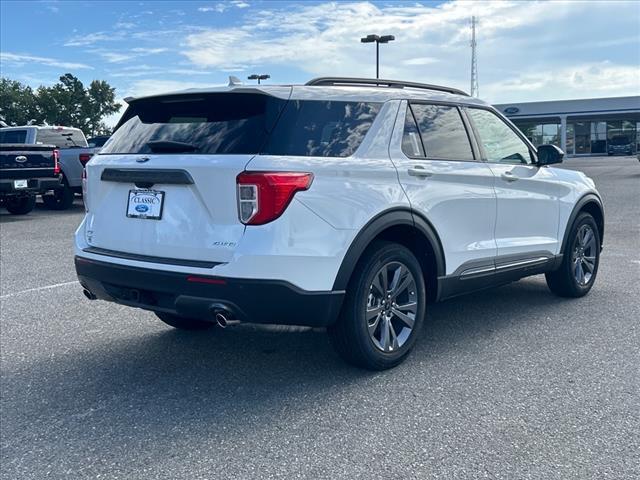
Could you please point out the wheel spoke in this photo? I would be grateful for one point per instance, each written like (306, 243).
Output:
(406, 281)
(587, 237)
(384, 334)
(394, 338)
(380, 282)
(372, 312)
(580, 273)
(373, 326)
(406, 319)
(589, 263)
(411, 306)
(397, 276)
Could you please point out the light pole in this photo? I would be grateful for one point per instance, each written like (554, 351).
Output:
(378, 39)
(258, 77)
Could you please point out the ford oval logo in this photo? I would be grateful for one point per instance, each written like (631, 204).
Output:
(142, 208)
(21, 159)
(511, 110)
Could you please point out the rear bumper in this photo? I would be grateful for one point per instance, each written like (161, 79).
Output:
(256, 301)
(34, 185)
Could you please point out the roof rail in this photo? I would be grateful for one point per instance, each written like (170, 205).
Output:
(379, 82)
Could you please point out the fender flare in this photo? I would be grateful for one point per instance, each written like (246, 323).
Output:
(589, 198)
(375, 226)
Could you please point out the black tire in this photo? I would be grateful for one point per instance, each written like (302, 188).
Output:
(350, 334)
(21, 205)
(183, 323)
(61, 198)
(564, 281)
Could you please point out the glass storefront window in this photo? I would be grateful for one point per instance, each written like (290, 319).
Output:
(582, 137)
(598, 137)
(570, 143)
(585, 137)
(541, 133)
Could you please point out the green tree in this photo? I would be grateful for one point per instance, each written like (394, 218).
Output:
(66, 103)
(18, 103)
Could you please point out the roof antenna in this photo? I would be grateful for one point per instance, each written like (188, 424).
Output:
(234, 81)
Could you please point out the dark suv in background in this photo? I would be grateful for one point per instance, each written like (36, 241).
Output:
(620, 144)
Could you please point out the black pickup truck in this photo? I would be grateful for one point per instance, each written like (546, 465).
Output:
(26, 171)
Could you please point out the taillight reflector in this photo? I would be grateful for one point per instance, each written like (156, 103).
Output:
(213, 281)
(264, 196)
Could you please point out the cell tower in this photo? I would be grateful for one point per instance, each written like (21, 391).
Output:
(475, 91)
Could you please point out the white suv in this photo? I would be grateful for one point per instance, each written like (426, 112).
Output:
(345, 203)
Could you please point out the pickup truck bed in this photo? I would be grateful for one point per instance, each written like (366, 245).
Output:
(26, 171)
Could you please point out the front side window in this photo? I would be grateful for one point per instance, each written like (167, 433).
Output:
(501, 144)
(443, 133)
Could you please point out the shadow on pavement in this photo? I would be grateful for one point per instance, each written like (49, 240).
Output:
(150, 385)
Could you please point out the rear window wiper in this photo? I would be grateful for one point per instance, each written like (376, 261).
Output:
(164, 146)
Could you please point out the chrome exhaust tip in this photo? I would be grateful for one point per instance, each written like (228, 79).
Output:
(223, 321)
(223, 316)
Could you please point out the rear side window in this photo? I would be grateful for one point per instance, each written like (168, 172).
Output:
(411, 141)
(443, 133)
(13, 136)
(61, 137)
(242, 123)
(321, 128)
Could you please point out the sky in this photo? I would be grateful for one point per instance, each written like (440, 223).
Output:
(527, 51)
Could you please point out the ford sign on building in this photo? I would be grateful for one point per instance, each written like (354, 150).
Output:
(596, 126)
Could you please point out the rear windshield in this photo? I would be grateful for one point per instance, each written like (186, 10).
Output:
(13, 136)
(242, 123)
(61, 137)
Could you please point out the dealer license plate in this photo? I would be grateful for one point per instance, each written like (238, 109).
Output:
(145, 204)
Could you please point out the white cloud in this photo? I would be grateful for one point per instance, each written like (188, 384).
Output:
(111, 56)
(521, 46)
(222, 7)
(591, 79)
(20, 60)
(91, 38)
(420, 61)
(152, 87)
(125, 25)
(149, 51)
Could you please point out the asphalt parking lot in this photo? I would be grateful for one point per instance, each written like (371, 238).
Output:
(510, 383)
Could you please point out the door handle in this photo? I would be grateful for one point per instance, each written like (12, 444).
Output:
(419, 171)
(509, 176)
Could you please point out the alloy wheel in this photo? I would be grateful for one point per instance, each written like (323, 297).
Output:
(391, 307)
(584, 255)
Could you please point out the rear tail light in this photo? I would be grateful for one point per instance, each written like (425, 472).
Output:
(264, 196)
(56, 162)
(84, 158)
(85, 196)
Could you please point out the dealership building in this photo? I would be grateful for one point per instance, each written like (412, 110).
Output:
(580, 127)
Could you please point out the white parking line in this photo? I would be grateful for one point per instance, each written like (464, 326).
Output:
(48, 287)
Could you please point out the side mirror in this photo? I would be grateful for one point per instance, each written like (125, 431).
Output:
(549, 154)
